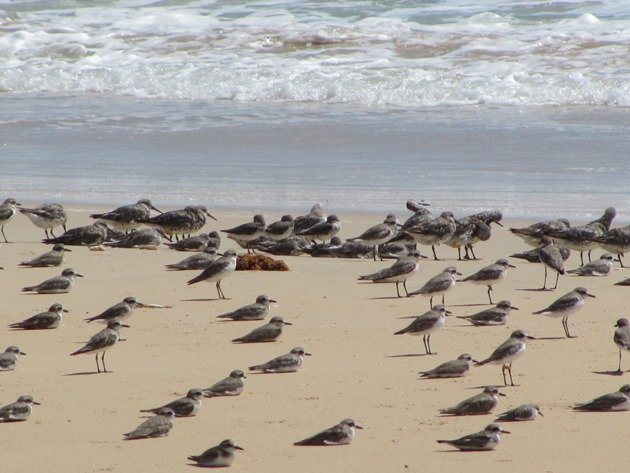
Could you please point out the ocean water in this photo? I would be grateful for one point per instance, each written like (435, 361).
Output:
(470, 104)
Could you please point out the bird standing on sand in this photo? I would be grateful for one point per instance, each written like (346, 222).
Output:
(451, 369)
(186, 406)
(568, 304)
(119, 311)
(57, 285)
(426, 324)
(615, 240)
(494, 316)
(622, 338)
(47, 216)
(44, 320)
(7, 212)
(218, 270)
(158, 426)
(9, 358)
(248, 232)
(532, 234)
(231, 386)
(482, 403)
(287, 363)
(613, 402)
(490, 275)
(507, 352)
(379, 234)
(434, 231)
(127, 217)
(55, 257)
(438, 285)
(399, 272)
(19, 410)
(487, 439)
(220, 456)
(551, 258)
(102, 341)
(340, 434)
(184, 221)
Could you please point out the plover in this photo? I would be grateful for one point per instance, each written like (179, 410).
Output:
(247, 232)
(7, 212)
(599, 267)
(284, 363)
(57, 285)
(532, 234)
(482, 403)
(19, 410)
(438, 284)
(433, 232)
(55, 257)
(507, 352)
(315, 216)
(494, 316)
(379, 234)
(231, 386)
(487, 439)
(622, 338)
(426, 324)
(194, 243)
(89, 235)
(220, 456)
(280, 230)
(520, 413)
(451, 369)
(399, 272)
(102, 341)
(47, 216)
(324, 230)
(533, 255)
(490, 275)
(568, 304)
(256, 311)
(551, 258)
(159, 425)
(340, 434)
(127, 217)
(145, 238)
(186, 406)
(218, 270)
(266, 333)
(195, 262)
(184, 221)
(617, 401)
(615, 240)
(119, 311)
(467, 231)
(44, 320)
(9, 358)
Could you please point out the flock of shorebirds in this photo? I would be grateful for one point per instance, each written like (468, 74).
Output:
(134, 226)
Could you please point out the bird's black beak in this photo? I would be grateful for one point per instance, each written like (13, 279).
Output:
(67, 249)
(590, 295)
(236, 447)
(22, 353)
(64, 310)
(514, 308)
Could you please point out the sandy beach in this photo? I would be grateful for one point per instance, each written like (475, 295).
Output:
(358, 368)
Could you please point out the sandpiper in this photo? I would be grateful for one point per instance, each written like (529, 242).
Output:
(145, 238)
(7, 212)
(451, 369)
(487, 439)
(340, 434)
(195, 262)
(256, 311)
(44, 320)
(186, 406)
(622, 338)
(379, 234)
(19, 410)
(102, 341)
(599, 267)
(399, 272)
(551, 257)
(482, 403)
(248, 232)
(287, 363)
(494, 316)
(507, 352)
(533, 255)
(218, 270)
(617, 401)
(119, 311)
(55, 257)
(426, 324)
(438, 284)
(615, 240)
(231, 386)
(57, 285)
(490, 275)
(9, 358)
(220, 456)
(281, 229)
(532, 234)
(521, 413)
(194, 243)
(433, 232)
(89, 235)
(568, 304)
(127, 217)
(324, 230)
(266, 333)
(315, 216)
(158, 426)
(47, 216)
(184, 221)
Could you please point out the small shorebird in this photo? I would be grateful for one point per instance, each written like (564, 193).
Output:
(47, 216)
(624, 282)
(102, 341)
(533, 255)
(159, 425)
(490, 275)
(340, 434)
(44, 320)
(487, 439)
(194, 243)
(119, 311)
(195, 262)
(521, 413)
(256, 311)
(622, 338)
(615, 240)
(399, 272)
(426, 324)
(551, 257)
(287, 363)
(315, 216)
(617, 401)
(451, 369)
(9, 358)
(55, 257)
(220, 456)
(599, 267)
(184, 221)
(127, 217)
(568, 304)
(507, 352)
(266, 333)
(434, 231)
(324, 230)
(19, 410)
(248, 232)
(145, 239)
(231, 386)
(7, 212)
(494, 316)
(482, 403)
(532, 234)
(89, 235)
(280, 230)
(218, 270)
(186, 406)
(379, 234)
(438, 285)
(57, 285)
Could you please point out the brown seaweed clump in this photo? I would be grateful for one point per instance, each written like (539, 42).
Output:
(259, 262)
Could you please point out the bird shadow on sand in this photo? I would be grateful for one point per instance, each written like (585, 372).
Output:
(472, 305)
(206, 300)
(609, 373)
(86, 373)
(536, 289)
(555, 338)
(387, 298)
(409, 355)
(498, 386)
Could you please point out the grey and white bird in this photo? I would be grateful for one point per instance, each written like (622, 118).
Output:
(482, 403)
(195, 262)
(379, 234)
(565, 306)
(57, 285)
(89, 235)
(616, 241)
(7, 212)
(551, 257)
(248, 232)
(533, 233)
(533, 255)
(159, 425)
(194, 243)
(144, 239)
(433, 232)
(494, 316)
(218, 270)
(266, 333)
(19, 410)
(287, 363)
(315, 216)
(127, 217)
(426, 324)
(256, 311)
(613, 402)
(281, 229)
(102, 341)
(451, 369)
(485, 440)
(438, 284)
(184, 221)
(507, 352)
(233, 385)
(322, 231)
(599, 267)
(622, 338)
(624, 282)
(340, 434)
(9, 358)
(521, 413)
(119, 311)
(44, 320)
(490, 275)
(186, 406)
(216, 457)
(397, 273)
(47, 216)
(55, 257)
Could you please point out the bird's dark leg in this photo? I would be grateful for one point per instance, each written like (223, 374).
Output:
(589, 255)
(619, 370)
(5, 237)
(442, 300)
(544, 288)
(219, 292)
(510, 371)
(46, 232)
(434, 255)
(619, 255)
(405, 287)
(503, 368)
(581, 258)
(64, 227)
(557, 277)
(103, 361)
(431, 302)
(472, 252)
(97, 365)
(489, 295)
(429, 344)
(375, 250)
(424, 341)
(459, 253)
(397, 291)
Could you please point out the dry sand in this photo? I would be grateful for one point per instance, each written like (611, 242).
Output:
(359, 369)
